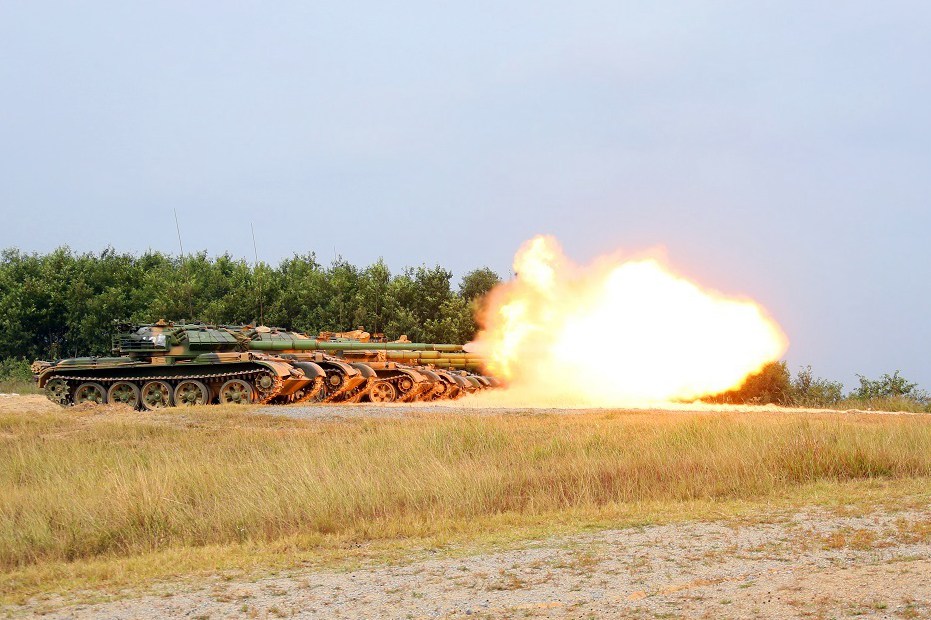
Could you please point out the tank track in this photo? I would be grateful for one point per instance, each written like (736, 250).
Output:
(337, 394)
(264, 396)
(439, 391)
(423, 391)
(357, 393)
(416, 390)
(208, 376)
(310, 394)
(332, 398)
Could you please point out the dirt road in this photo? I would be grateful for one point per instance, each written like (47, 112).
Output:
(808, 565)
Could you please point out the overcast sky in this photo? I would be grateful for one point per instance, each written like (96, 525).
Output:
(776, 149)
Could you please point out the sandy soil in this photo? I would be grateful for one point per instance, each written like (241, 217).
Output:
(808, 565)
(26, 403)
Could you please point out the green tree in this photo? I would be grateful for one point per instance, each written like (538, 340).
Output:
(887, 386)
(373, 302)
(431, 290)
(403, 322)
(456, 323)
(342, 288)
(478, 283)
(810, 391)
(62, 304)
(300, 294)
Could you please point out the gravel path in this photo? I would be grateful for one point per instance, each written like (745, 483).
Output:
(809, 565)
(471, 406)
(401, 410)
(477, 408)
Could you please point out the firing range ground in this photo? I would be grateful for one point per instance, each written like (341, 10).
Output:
(400, 410)
(471, 407)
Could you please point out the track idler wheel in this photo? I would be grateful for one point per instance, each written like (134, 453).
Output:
(436, 387)
(409, 390)
(334, 380)
(451, 388)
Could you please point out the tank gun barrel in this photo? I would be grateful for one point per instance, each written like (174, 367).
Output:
(312, 344)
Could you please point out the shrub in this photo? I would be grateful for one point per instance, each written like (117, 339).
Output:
(810, 391)
(771, 385)
(15, 376)
(15, 370)
(887, 386)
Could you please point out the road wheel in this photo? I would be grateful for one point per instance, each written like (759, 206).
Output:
(124, 393)
(156, 395)
(236, 392)
(383, 392)
(405, 384)
(90, 393)
(190, 392)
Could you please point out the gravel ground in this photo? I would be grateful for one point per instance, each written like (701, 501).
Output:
(399, 410)
(809, 565)
(477, 408)
(473, 406)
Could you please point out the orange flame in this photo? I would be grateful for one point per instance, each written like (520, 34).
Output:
(616, 333)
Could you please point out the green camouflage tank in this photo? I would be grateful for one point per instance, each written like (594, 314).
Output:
(181, 364)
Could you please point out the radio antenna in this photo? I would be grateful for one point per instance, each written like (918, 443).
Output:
(184, 269)
(258, 278)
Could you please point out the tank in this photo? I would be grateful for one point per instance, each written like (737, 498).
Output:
(165, 364)
(168, 364)
(401, 371)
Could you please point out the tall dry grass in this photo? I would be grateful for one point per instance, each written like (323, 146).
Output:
(76, 486)
(14, 386)
(881, 403)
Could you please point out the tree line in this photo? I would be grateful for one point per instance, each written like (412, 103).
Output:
(63, 304)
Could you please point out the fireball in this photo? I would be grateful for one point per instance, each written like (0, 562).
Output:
(617, 333)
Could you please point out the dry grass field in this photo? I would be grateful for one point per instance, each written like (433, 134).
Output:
(102, 499)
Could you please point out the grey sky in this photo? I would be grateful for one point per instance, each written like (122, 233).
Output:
(778, 149)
